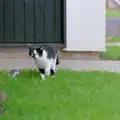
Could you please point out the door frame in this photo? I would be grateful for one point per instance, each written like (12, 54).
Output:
(64, 20)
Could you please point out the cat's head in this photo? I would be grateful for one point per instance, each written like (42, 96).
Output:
(35, 52)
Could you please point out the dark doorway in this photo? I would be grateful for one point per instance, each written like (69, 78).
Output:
(31, 21)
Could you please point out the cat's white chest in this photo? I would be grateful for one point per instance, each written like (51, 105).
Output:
(40, 63)
(43, 61)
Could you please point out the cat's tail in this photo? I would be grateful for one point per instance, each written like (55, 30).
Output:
(57, 61)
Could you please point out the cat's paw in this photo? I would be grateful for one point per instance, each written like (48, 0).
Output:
(43, 77)
(47, 70)
(53, 76)
(47, 73)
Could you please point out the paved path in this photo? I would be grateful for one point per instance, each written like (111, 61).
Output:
(111, 25)
(113, 44)
(69, 64)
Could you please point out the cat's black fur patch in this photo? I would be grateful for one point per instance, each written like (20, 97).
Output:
(50, 49)
(52, 73)
(57, 61)
(30, 50)
(42, 70)
(39, 51)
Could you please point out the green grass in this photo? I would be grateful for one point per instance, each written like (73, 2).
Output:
(111, 53)
(116, 39)
(112, 13)
(68, 96)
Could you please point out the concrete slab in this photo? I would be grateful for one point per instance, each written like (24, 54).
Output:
(113, 66)
(113, 44)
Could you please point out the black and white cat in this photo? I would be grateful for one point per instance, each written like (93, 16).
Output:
(45, 58)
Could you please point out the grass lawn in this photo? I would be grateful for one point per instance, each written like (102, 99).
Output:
(112, 53)
(116, 39)
(68, 96)
(112, 13)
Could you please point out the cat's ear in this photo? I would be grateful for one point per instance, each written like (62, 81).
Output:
(41, 48)
(30, 46)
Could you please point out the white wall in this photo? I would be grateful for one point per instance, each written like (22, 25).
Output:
(85, 25)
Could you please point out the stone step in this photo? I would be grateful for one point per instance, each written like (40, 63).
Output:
(73, 55)
(23, 53)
